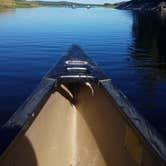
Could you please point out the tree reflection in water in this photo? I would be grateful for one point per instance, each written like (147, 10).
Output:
(148, 58)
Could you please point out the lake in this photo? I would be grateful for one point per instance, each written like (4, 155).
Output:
(128, 46)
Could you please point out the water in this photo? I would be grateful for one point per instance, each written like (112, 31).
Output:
(128, 46)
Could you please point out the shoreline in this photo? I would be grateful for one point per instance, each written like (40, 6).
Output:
(30, 4)
(129, 5)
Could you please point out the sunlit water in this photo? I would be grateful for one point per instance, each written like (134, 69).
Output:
(128, 46)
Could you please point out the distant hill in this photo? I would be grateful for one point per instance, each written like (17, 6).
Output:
(156, 5)
(7, 3)
(63, 3)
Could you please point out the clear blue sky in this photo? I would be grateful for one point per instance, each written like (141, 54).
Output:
(90, 1)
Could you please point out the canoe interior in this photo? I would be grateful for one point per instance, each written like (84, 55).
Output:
(79, 125)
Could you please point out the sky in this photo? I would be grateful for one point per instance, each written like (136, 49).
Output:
(90, 1)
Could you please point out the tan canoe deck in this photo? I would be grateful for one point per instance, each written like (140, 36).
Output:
(87, 130)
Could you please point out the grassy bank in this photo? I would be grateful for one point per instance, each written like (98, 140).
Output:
(7, 3)
(26, 4)
(17, 4)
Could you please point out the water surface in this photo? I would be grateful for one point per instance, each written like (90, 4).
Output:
(128, 46)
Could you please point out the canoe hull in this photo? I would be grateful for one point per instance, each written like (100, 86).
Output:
(79, 120)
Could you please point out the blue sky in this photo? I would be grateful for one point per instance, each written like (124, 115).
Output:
(90, 1)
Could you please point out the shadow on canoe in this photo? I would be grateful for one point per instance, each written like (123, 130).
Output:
(20, 153)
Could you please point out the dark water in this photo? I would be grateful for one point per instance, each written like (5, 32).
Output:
(128, 46)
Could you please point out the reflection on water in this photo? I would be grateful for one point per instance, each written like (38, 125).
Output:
(149, 32)
(148, 59)
(6, 11)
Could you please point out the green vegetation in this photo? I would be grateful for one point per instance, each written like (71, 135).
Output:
(16, 3)
(29, 4)
(108, 5)
(63, 3)
(7, 3)
(24, 4)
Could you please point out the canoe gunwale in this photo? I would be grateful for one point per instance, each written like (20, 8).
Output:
(140, 125)
(21, 119)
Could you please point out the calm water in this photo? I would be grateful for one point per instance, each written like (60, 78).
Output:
(128, 46)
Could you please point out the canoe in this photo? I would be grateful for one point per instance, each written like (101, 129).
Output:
(77, 117)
